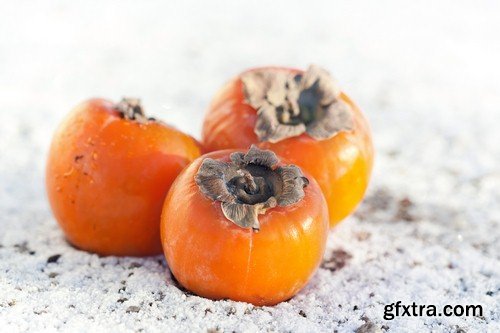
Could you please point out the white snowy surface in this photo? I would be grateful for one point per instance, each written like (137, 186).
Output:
(426, 73)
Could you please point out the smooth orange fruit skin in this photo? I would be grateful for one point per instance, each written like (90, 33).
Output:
(341, 165)
(214, 258)
(107, 177)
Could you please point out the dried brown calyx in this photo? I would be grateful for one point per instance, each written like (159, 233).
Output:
(249, 184)
(131, 109)
(289, 104)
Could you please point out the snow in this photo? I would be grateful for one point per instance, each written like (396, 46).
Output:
(425, 73)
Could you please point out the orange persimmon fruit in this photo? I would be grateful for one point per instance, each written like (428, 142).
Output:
(109, 169)
(244, 226)
(305, 118)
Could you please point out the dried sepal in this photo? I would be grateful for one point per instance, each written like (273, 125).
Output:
(246, 216)
(256, 85)
(250, 184)
(290, 104)
(293, 185)
(326, 87)
(337, 117)
(131, 109)
(211, 179)
(255, 156)
(261, 157)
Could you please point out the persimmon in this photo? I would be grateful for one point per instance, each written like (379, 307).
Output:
(109, 169)
(304, 117)
(244, 226)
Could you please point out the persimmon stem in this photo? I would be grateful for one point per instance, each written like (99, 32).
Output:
(250, 185)
(254, 188)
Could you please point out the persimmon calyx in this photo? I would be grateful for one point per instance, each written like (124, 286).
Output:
(131, 109)
(250, 184)
(289, 104)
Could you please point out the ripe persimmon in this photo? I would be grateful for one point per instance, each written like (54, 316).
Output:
(304, 117)
(244, 226)
(109, 169)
